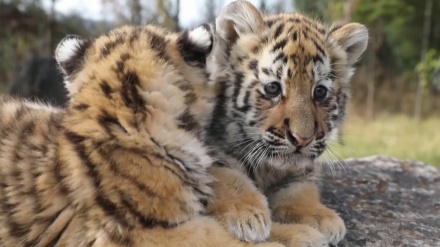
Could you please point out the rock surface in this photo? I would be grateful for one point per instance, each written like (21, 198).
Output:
(386, 202)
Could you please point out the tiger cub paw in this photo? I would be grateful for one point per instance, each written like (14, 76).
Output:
(250, 224)
(249, 219)
(323, 219)
(297, 235)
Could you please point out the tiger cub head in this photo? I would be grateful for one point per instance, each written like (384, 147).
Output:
(286, 81)
(75, 55)
(118, 76)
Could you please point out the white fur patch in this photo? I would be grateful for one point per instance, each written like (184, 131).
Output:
(200, 36)
(67, 48)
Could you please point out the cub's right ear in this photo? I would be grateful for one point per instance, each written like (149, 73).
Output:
(70, 54)
(195, 45)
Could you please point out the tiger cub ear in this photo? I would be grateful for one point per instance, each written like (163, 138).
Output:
(353, 38)
(195, 45)
(70, 54)
(239, 18)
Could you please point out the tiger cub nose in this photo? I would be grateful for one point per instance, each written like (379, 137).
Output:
(298, 140)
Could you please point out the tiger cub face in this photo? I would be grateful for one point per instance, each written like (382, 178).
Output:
(286, 81)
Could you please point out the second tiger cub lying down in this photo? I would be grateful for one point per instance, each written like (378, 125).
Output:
(123, 165)
(285, 84)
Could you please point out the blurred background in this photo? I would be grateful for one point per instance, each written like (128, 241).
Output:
(395, 106)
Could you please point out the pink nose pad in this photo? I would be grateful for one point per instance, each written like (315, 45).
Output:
(297, 140)
(302, 142)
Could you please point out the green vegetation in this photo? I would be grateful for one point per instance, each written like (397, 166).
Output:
(397, 136)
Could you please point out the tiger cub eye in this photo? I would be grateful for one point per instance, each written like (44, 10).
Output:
(272, 89)
(320, 93)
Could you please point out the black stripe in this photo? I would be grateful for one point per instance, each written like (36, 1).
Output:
(106, 120)
(60, 178)
(146, 222)
(278, 30)
(295, 36)
(296, 20)
(134, 35)
(155, 142)
(279, 57)
(130, 94)
(187, 121)
(239, 77)
(147, 157)
(112, 210)
(253, 65)
(20, 112)
(28, 129)
(158, 44)
(109, 207)
(279, 72)
(110, 46)
(270, 23)
(279, 45)
(274, 131)
(253, 84)
(60, 232)
(106, 89)
(266, 71)
(216, 126)
(289, 73)
(15, 229)
(319, 47)
(115, 168)
(317, 59)
(81, 107)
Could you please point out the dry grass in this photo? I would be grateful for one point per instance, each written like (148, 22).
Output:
(398, 136)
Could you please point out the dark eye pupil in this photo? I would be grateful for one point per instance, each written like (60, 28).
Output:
(272, 89)
(320, 93)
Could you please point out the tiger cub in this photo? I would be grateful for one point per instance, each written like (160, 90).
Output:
(123, 165)
(285, 84)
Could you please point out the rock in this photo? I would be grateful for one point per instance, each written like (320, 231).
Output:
(40, 79)
(386, 202)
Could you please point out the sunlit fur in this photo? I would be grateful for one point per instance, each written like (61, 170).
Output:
(252, 130)
(123, 165)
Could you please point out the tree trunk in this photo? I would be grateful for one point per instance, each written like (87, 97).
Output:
(176, 16)
(371, 82)
(210, 11)
(348, 10)
(51, 29)
(169, 20)
(425, 46)
(136, 12)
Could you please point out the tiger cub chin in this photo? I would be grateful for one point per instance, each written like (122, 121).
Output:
(124, 164)
(285, 83)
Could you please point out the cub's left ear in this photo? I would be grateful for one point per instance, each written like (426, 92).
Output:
(353, 38)
(70, 54)
(195, 45)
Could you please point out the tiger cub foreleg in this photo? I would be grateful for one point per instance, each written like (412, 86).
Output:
(243, 210)
(239, 205)
(299, 202)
